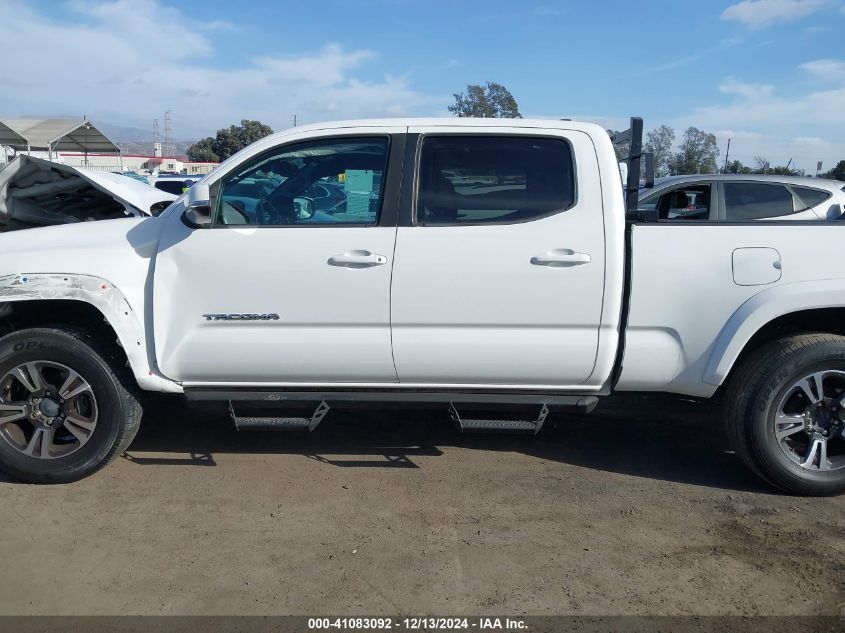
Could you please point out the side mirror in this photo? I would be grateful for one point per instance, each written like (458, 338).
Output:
(197, 213)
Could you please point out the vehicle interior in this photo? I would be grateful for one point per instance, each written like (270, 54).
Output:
(289, 189)
(687, 202)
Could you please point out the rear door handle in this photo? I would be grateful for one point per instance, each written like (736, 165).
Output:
(561, 258)
(357, 259)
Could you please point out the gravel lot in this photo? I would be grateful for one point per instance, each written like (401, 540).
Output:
(636, 509)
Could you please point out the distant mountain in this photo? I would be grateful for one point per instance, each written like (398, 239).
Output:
(135, 140)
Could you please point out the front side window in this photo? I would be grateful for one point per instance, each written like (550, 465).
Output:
(493, 180)
(330, 181)
(685, 202)
(756, 201)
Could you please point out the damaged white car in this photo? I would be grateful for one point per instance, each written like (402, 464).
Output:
(37, 192)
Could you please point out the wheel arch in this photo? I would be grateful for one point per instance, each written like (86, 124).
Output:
(795, 308)
(56, 298)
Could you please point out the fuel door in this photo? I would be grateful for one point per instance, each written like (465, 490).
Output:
(756, 266)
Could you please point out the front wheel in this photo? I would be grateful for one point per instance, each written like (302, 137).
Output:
(66, 405)
(786, 413)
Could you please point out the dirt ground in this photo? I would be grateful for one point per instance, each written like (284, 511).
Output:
(636, 509)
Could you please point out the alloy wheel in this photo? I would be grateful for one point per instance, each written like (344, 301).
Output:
(47, 410)
(810, 421)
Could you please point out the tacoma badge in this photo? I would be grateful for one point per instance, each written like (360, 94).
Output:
(241, 317)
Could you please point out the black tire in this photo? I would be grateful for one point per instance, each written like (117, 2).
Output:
(754, 393)
(115, 389)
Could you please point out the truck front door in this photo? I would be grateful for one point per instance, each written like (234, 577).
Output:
(291, 284)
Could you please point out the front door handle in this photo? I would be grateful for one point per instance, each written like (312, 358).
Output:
(357, 259)
(561, 258)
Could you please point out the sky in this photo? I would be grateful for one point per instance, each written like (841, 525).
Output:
(769, 74)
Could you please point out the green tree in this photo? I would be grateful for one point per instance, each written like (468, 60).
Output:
(696, 154)
(781, 170)
(229, 141)
(491, 100)
(764, 167)
(736, 167)
(659, 142)
(203, 151)
(621, 149)
(837, 173)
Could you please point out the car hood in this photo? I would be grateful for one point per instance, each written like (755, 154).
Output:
(37, 192)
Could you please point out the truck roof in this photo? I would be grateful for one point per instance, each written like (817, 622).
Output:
(551, 124)
(592, 129)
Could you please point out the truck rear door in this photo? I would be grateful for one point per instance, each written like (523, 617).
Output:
(499, 270)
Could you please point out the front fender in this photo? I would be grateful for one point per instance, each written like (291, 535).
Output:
(763, 308)
(108, 300)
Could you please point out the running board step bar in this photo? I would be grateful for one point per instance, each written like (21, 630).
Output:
(250, 419)
(467, 424)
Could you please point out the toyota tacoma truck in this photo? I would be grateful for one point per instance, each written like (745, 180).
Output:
(493, 266)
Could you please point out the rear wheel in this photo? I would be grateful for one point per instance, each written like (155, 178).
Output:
(66, 405)
(786, 413)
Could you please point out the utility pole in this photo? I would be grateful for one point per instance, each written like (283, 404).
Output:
(169, 149)
(294, 120)
(727, 152)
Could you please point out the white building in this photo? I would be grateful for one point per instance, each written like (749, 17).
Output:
(134, 162)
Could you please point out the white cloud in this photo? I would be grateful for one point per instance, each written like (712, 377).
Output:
(759, 13)
(828, 69)
(217, 25)
(732, 86)
(760, 121)
(126, 62)
(677, 62)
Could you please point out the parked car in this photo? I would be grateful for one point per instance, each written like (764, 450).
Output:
(177, 184)
(37, 192)
(743, 197)
(496, 274)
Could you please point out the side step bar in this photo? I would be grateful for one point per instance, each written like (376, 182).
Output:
(470, 411)
(264, 419)
(498, 424)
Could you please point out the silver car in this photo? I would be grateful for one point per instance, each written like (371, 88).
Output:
(744, 198)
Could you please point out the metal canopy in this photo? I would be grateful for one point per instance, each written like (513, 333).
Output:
(10, 138)
(52, 135)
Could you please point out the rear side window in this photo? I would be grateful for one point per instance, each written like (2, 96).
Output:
(686, 202)
(756, 201)
(493, 180)
(811, 197)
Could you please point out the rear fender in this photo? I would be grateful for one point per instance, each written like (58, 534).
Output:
(763, 308)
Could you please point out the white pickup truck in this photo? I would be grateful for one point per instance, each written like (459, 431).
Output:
(485, 264)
